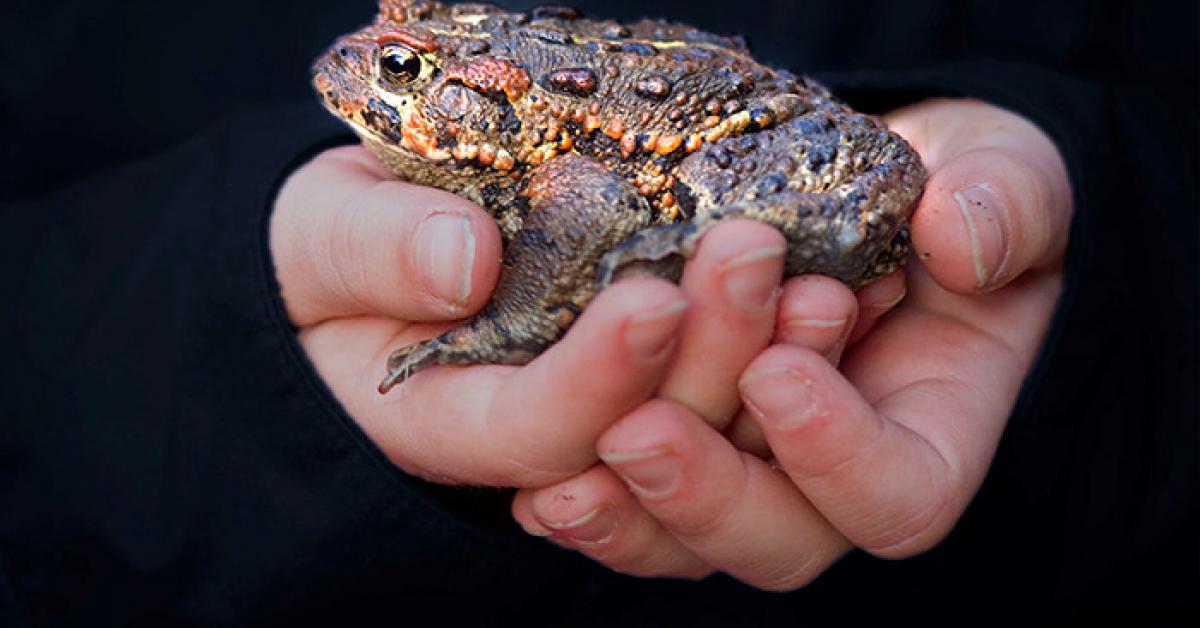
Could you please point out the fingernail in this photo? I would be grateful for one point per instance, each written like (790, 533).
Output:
(983, 215)
(807, 324)
(891, 303)
(445, 251)
(817, 323)
(653, 473)
(649, 333)
(746, 282)
(781, 397)
(594, 528)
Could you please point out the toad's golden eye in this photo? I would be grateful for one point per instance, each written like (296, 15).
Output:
(399, 65)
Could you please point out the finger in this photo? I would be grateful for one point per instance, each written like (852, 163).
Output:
(348, 241)
(503, 425)
(595, 514)
(884, 479)
(732, 283)
(997, 202)
(815, 312)
(731, 509)
(875, 300)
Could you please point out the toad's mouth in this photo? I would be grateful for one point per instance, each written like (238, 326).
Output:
(346, 92)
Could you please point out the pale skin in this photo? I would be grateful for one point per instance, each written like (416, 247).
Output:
(725, 424)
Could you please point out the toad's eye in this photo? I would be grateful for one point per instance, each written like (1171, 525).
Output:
(399, 65)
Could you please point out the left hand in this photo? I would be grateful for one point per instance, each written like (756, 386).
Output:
(885, 455)
(368, 264)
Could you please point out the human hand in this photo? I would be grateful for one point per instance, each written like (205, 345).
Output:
(885, 455)
(368, 264)
(359, 279)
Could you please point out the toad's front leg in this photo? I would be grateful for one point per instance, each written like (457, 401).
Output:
(577, 211)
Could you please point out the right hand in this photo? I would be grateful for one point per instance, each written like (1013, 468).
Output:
(884, 454)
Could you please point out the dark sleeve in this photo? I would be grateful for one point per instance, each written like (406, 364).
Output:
(167, 451)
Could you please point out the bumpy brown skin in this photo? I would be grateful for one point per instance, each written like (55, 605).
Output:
(603, 149)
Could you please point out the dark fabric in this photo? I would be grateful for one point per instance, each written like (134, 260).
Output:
(167, 455)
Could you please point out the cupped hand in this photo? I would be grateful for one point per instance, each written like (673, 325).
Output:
(369, 264)
(887, 453)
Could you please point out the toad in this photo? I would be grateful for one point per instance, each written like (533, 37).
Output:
(605, 149)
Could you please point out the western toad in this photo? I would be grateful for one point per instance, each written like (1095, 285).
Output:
(604, 149)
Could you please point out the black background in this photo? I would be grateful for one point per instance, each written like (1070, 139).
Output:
(89, 84)
(1089, 513)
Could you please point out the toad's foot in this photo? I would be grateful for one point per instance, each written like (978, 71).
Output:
(577, 211)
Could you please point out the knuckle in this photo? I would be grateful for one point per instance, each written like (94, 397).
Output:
(697, 519)
(916, 531)
(700, 523)
(343, 261)
(529, 463)
(696, 572)
(633, 556)
(791, 577)
(841, 453)
(649, 563)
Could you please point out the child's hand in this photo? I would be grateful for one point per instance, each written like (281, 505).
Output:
(884, 455)
(369, 264)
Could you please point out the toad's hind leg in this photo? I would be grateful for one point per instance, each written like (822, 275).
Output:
(823, 232)
(576, 212)
(839, 186)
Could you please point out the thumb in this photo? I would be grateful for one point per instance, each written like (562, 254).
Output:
(348, 239)
(997, 203)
